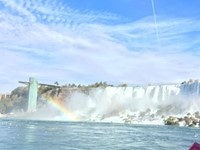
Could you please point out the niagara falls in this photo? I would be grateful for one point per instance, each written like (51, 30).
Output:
(100, 108)
(150, 104)
(99, 75)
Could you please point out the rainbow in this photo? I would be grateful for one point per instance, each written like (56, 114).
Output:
(60, 107)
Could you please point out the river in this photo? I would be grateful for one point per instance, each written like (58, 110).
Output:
(57, 135)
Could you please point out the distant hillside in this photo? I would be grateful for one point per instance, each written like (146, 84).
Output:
(17, 100)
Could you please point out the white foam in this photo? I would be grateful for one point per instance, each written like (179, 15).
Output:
(114, 103)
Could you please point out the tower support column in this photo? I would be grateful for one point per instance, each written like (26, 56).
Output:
(33, 94)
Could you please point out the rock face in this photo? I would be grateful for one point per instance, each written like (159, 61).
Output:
(172, 121)
(188, 120)
(17, 100)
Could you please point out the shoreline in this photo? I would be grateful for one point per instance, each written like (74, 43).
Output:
(189, 121)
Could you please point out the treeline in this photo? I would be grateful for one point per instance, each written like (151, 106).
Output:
(95, 85)
(189, 81)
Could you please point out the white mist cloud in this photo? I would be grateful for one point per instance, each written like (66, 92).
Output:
(57, 43)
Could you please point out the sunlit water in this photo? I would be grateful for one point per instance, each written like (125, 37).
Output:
(44, 135)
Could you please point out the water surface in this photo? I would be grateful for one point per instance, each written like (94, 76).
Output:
(43, 135)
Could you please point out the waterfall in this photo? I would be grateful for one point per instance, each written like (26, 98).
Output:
(153, 100)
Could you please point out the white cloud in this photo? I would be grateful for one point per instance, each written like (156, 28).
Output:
(83, 49)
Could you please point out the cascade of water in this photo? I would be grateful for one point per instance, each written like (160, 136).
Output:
(112, 101)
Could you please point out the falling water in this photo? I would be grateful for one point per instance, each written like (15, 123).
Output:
(116, 103)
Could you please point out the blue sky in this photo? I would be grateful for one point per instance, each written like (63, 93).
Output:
(86, 41)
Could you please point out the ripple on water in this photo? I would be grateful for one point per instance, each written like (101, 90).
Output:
(24, 134)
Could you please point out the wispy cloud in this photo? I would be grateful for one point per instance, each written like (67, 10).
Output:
(52, 41)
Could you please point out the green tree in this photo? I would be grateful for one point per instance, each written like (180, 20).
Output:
(56, 83)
